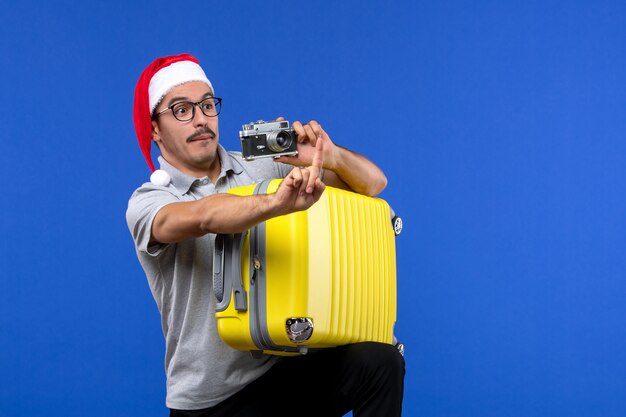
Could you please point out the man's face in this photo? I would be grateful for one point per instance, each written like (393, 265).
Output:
(190, 146)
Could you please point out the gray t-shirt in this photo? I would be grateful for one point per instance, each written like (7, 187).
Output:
(201, 370)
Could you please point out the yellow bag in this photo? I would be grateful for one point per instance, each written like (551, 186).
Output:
(312, 279)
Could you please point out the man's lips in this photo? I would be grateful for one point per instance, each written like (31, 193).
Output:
(200, 137)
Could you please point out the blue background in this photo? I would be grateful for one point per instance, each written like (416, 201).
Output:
(500, 125)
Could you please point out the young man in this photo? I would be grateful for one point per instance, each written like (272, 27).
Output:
(173, 221)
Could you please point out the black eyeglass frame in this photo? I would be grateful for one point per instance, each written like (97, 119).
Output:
(217, 103)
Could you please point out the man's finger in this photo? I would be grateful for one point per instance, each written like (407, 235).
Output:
(317, 129)
(310, 134)
(318, 156)
(319, 189)
(306, 179)
(297, 126)
(296, 176)
(316, 165)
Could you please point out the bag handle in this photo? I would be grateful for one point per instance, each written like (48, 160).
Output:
(227, 271)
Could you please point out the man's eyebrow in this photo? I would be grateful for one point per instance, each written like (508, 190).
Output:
(183, 98)
(175, 99)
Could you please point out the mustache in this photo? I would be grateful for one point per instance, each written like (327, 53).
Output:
(205, 130)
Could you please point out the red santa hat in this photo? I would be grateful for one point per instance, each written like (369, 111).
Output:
(154, 83)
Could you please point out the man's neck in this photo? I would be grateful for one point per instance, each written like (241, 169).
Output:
(212, 171)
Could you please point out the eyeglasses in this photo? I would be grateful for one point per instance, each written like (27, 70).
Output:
(186, 110)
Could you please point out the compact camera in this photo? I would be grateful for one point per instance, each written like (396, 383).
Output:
(267, 139)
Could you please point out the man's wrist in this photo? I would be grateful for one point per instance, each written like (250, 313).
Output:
(269, 205)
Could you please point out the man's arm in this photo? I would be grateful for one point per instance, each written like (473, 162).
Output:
(344, 169)
(356, 173)
(227, 213)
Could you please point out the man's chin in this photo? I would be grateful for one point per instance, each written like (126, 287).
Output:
(206, 158)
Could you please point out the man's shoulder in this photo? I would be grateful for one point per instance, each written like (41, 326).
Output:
(153, 192)
(146, 200)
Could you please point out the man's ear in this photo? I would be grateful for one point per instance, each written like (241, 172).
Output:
(156, 136)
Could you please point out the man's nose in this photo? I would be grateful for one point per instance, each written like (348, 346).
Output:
(199, 118)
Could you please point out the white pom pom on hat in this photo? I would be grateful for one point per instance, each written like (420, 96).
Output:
(160, 177)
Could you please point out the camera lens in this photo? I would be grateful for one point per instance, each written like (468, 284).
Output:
(283, 140)
(279, 140)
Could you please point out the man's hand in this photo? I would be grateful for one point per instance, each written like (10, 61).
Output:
(293, 193)
(344, 169)
(314, 150)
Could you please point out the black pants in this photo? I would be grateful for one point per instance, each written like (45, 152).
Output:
(367, 378)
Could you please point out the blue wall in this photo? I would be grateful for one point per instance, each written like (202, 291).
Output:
(499, 124)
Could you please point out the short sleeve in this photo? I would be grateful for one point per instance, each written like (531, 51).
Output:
(143, 206)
